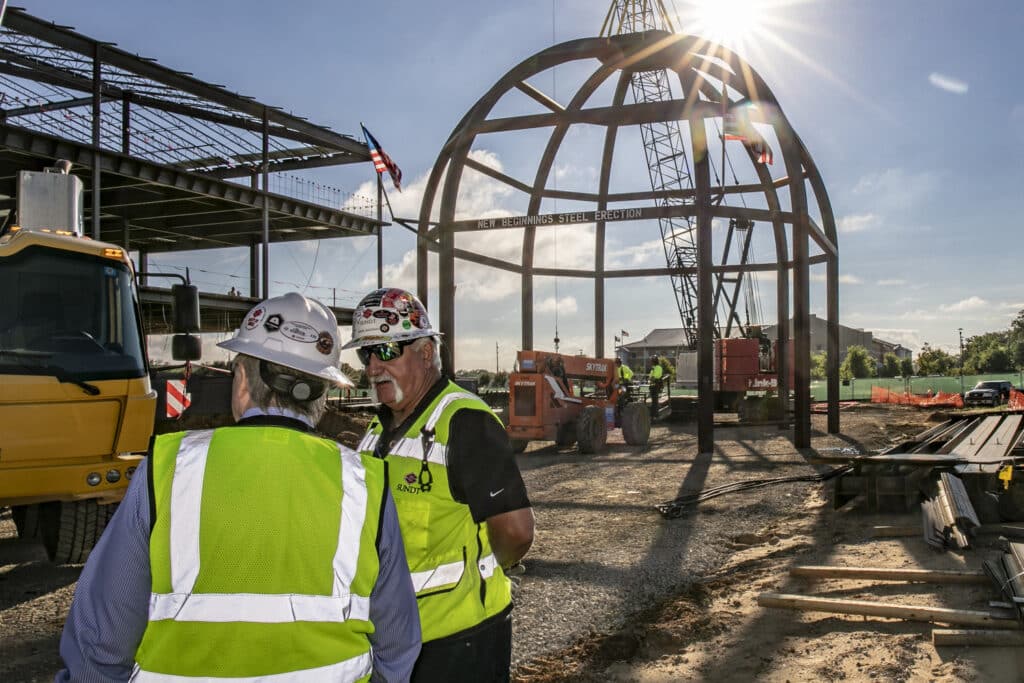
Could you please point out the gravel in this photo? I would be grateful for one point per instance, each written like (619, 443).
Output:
(602, 553)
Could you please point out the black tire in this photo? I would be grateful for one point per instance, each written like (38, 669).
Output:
(519, 445)
(591, 431)
(636, 424)
(26, 520)
(70, 530)
(566, 435)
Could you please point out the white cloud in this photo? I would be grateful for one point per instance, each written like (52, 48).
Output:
(896, 189)
(947, 83)
(843, 279)
(565, 305)
(628, 256)
(910, 338)
(479, 196)
(891, 283)
(856, 223)
(973, 303)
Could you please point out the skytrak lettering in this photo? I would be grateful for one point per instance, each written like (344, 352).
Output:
(599, 367)
(560, 218)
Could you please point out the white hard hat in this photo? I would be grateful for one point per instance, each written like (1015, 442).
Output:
(293, 331)
(389, 315)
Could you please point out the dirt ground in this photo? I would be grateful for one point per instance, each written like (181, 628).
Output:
(711, 628)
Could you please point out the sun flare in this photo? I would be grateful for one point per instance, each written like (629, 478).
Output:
(731, 23)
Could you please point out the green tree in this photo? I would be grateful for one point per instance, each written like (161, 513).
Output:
(890, 365)
(819, 365)
(857, 364)
(995, 359)
(356, 375)
(931, 361)
(501, 379)
(907, 367)
(484, 379)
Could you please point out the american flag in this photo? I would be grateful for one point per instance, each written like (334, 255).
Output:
(381, 161)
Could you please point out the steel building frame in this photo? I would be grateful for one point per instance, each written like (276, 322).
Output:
(164, 144)
(713, 79)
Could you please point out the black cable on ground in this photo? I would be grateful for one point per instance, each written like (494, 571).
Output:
(674, 508)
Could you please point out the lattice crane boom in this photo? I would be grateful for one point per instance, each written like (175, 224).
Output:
(669, 171)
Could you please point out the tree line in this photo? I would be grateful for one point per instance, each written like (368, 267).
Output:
(988, 353)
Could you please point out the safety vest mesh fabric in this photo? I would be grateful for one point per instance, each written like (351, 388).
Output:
(263, 557)
(625, 373)
(455, 574)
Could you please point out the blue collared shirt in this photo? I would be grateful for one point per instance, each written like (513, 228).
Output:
(110, 610)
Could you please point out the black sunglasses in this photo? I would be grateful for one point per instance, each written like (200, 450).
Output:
(384, 352)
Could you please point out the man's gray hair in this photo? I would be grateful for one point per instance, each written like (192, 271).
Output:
(264, 397)
(436, 359)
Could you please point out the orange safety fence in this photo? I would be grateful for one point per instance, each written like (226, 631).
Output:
(1016, 401)
(939, 400)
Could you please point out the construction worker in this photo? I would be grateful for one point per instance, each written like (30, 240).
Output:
(625, 374)
(655, 378)
(462, 505)
(256, 551)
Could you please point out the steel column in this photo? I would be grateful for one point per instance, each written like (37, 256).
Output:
(266, 205)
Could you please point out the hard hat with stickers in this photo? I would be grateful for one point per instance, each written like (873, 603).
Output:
(294, 331)
(389, 315)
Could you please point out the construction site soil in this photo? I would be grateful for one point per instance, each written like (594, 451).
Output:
(614, 592)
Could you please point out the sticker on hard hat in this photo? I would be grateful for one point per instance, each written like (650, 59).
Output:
(273, 323)
(300, 332)
(325, 343)
(254, 318)
(384, 327)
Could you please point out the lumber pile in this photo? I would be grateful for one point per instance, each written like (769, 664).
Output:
(994, 627)
(1007, 573)
(948, 518)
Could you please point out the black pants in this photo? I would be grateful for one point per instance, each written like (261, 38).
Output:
(483, 655)
(655, 392)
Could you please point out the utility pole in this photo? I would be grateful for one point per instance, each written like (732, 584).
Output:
(496, 358)
(961, 331)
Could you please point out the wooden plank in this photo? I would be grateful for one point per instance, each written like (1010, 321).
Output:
(1001, 530)
(895, 531)
(999, 445)
(974, 440)
(888, 574)
(962, 429)
(959, 636)
(943, 615)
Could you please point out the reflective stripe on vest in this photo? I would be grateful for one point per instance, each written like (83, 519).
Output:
(353, 669)
(413, 448)
(186, 502)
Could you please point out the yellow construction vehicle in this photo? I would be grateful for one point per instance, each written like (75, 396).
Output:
(76, 405)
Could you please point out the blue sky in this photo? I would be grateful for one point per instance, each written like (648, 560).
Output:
(911, 110)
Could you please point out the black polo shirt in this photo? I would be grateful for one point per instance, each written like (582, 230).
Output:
(482, 470)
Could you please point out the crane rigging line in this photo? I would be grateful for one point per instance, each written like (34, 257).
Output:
(554, 176)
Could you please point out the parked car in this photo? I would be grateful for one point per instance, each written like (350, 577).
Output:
(989, 393)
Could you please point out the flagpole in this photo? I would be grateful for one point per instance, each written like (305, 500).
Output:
(386, 200)
(380, 233)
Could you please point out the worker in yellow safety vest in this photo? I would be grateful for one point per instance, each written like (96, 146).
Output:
(258, 551)
(624, 371)
(462, 505)
(655, 379)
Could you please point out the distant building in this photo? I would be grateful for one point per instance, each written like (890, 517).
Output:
(667, 342)
(848, 336)
(670, 341)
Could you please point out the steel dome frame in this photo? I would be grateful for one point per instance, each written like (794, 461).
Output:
(707, 74)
